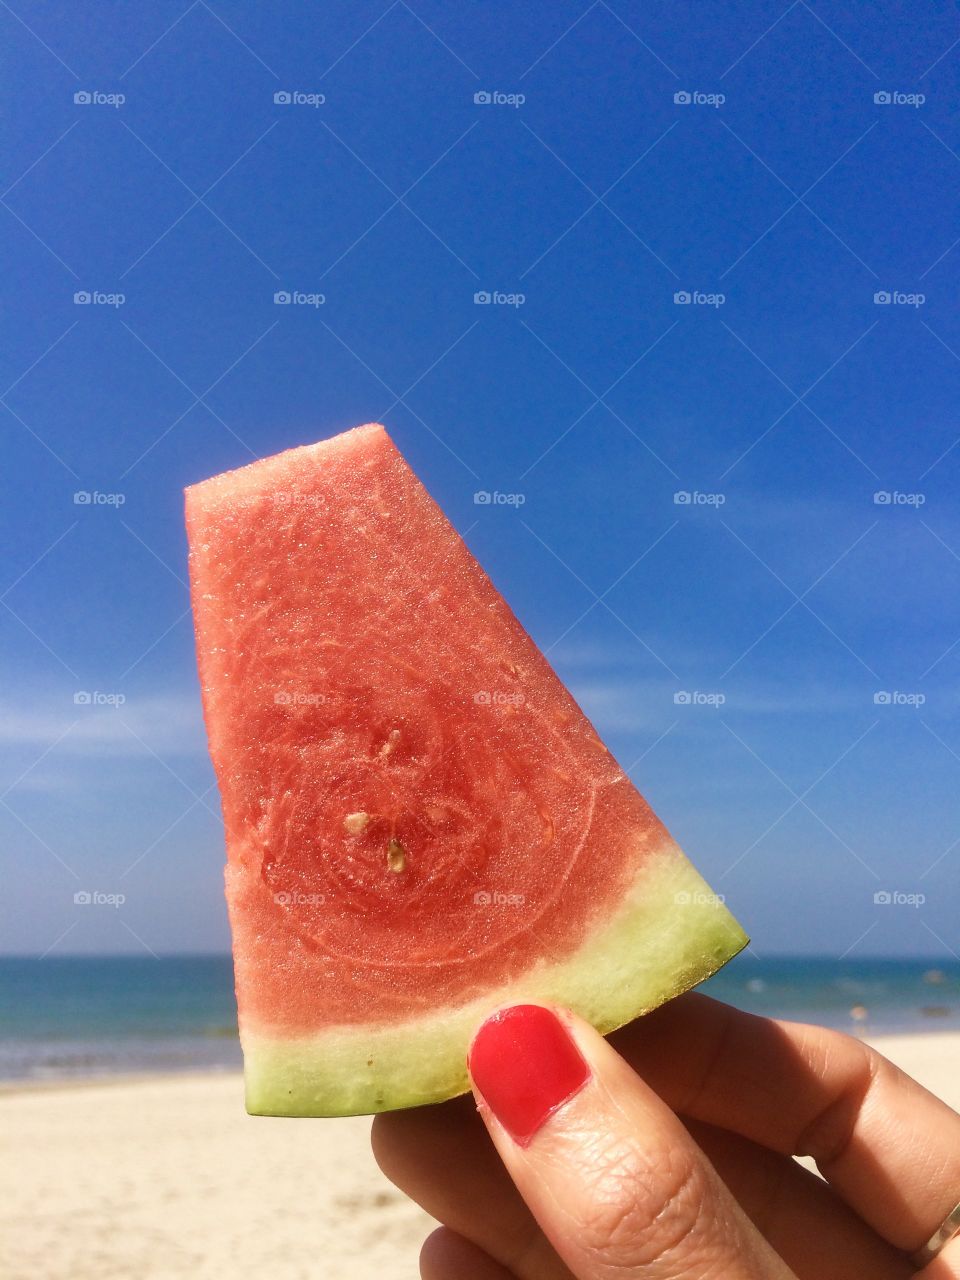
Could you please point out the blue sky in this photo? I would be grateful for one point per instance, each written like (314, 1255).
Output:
(628, 155)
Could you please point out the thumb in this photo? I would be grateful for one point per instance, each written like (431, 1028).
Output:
(611, 1175)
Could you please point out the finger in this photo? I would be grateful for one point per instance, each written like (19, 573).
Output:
(890, 1148)
(447, 1256)
(946, 1265)
(615, 1181)
(441, 1157)
(805, 1223)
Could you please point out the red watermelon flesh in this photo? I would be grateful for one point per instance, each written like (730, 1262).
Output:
(421, 823)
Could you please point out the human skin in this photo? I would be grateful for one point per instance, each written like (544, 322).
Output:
(672, 1157)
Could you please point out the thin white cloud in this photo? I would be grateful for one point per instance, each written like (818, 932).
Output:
(168, 724)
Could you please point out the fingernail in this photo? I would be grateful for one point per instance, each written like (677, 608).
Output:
(525, 1065)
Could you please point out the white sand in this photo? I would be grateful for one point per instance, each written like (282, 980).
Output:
(168, 1178)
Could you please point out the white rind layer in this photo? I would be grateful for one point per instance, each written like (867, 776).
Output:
(670, 933)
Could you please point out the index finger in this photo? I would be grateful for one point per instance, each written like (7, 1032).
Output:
(887, 1146)
(614, 1179)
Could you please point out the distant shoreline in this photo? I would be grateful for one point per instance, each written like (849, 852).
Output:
(934, 1039)
(87, 1019)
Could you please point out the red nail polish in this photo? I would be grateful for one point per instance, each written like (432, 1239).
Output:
(526, 1065)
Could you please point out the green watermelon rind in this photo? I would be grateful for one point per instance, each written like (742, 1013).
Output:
(669, 933)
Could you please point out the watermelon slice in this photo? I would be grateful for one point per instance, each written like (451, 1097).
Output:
(421, 823)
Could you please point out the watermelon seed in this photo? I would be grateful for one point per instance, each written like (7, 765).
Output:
(354, 823)
(396, 855)
(393, 737)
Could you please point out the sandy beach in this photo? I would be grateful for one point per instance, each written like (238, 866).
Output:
(167, 1177)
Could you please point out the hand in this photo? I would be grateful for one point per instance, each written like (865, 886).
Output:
(609, 1182)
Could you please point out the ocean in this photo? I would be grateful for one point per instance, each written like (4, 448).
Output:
(78, 1017)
